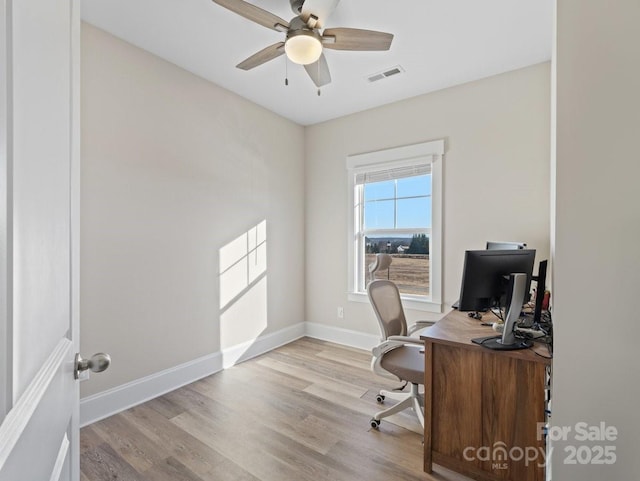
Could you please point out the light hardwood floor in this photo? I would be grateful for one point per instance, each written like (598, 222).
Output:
(298, 413)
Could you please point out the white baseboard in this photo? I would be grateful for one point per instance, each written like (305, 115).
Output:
(262, 344)
(342, 336)
(107, 403)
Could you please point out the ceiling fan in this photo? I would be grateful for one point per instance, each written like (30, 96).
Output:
(305, 37)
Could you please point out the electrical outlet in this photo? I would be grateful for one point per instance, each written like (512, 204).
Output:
(340, 312)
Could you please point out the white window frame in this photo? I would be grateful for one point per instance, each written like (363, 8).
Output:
(426, 152)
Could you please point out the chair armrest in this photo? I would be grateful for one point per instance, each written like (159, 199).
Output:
(406, 340)
(420, 325)
(386, 346)
(394, 342)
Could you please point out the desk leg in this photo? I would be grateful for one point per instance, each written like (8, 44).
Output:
(428, 402)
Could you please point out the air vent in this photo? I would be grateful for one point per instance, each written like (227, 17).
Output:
(387, 73)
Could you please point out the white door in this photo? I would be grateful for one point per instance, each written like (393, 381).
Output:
(39, 182)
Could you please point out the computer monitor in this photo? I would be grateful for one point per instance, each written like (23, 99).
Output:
(485, 278)
(503, 246)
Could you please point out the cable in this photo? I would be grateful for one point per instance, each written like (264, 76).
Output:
(497, 314)
(544, 357)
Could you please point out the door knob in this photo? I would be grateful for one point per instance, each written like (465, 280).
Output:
(98, 363)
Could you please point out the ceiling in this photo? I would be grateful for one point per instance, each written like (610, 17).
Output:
(438, 44)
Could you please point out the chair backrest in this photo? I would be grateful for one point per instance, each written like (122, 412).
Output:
(385, 299)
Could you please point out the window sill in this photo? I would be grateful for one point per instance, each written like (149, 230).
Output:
(408, 302)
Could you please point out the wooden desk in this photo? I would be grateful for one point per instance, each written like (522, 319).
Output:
(479, 398)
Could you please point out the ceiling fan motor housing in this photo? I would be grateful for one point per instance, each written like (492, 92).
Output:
(296, 6)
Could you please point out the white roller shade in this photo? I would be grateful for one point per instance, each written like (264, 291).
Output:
(392, 174)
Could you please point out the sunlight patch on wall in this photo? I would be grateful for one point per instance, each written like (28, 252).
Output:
(242, 261)
(243, 322)
(243, 292)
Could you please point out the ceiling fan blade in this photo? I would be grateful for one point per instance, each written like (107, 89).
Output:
(319, 71)
(264, 55)
(320, 9)
(356, 39)
(255, 14)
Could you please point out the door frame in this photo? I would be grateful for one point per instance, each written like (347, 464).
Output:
(6, 249)
(74, 206)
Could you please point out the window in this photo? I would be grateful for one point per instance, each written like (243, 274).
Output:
(396, 205)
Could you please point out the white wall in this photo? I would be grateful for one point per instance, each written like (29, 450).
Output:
(597, 259)
(175, 168)
(496, 179)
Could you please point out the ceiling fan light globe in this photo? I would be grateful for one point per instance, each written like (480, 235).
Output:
(303, 48)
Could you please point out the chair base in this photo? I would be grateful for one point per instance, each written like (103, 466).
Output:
(412, 399)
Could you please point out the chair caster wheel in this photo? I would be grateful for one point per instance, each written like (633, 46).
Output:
(375, 424)
(380, 398)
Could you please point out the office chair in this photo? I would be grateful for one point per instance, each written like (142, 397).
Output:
(381, 262)
(399, 356)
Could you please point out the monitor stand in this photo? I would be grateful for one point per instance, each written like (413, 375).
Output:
(508, 341)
